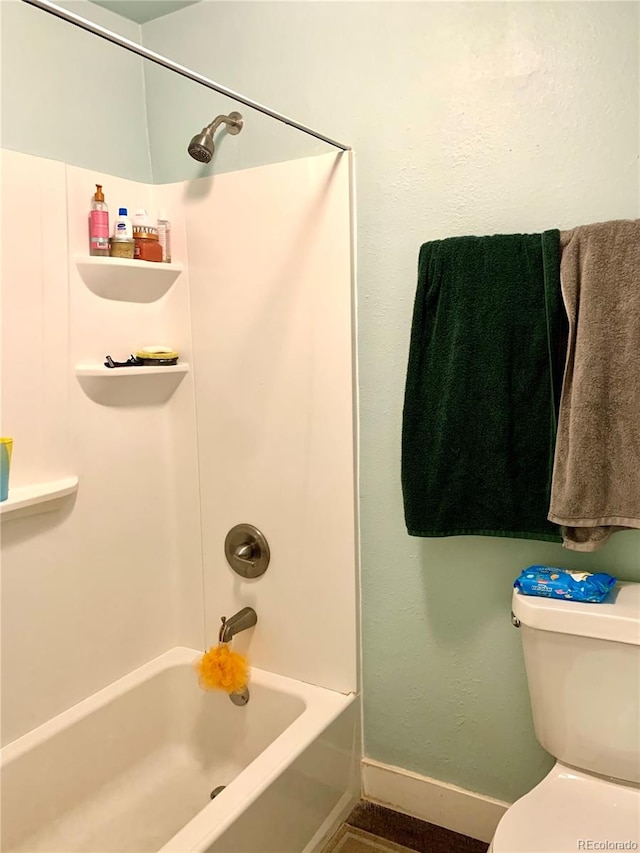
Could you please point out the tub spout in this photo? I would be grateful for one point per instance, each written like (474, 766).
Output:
(240, 621)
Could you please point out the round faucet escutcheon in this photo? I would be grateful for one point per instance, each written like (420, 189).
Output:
(247, 551)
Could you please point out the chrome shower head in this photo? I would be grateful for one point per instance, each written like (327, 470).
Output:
(201, 147)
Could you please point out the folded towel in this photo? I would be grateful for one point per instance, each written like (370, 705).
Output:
(479, 411)
(596, 478)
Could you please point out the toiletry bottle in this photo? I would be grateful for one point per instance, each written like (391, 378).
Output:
(141, 217)
(122, 244)
(122, 227)
(99, 225)
(164, 235)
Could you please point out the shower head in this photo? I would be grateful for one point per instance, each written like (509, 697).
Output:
(201, 147)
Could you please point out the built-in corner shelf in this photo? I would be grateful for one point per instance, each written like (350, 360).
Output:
(98, 372)
(127, 280)
(130, 386)
(39, 497)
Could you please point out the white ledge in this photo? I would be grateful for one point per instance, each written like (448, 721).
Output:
(37, 494)
(130, 386)
(126, 263)
(98, 372)
(127, 280)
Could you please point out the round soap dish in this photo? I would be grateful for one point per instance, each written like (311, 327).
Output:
(157, 356)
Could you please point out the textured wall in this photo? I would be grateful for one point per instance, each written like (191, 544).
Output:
(178, 108)
(466, 118)
(69, 96)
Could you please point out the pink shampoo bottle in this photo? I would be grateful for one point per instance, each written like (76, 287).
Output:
(99, 225)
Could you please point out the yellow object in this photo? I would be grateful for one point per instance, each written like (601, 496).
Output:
(6, 446)
(222, 669)
(8, 442)
(159, 354)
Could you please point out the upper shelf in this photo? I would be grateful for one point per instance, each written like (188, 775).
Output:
(127, 280)
(39, 497)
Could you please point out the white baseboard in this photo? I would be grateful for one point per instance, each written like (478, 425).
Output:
(429, 799)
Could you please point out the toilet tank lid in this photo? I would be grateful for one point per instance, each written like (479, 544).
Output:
(617, 618)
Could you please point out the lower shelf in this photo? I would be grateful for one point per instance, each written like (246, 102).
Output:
(110, 373)
(38, 497)
(130, 386)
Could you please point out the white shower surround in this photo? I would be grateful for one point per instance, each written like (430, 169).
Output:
(116, 576)
(270, 281)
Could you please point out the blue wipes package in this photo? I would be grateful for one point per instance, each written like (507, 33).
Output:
(564, 583)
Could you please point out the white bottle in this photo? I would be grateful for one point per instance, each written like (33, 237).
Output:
(164, 235)
(141, 217)
(122, 227)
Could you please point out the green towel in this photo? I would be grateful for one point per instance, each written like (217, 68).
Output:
(482, 387)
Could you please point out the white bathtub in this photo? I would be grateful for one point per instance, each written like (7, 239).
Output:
(132, 767)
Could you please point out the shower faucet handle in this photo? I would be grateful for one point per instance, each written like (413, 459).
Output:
(244, 553)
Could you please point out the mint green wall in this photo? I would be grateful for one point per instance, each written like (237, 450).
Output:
(466, 118)
(67, 95)
(144, 10)
(178, 108)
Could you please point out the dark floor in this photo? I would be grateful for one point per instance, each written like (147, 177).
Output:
(370, 825)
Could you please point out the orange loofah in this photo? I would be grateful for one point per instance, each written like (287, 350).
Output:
(222, 669)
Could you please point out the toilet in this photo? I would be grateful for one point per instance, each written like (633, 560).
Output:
(583, 671)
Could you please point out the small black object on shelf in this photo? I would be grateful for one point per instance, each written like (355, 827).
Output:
(132, 361)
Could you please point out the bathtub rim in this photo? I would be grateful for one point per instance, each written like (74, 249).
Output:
(321, 708)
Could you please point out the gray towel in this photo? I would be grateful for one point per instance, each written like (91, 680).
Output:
(596, 476)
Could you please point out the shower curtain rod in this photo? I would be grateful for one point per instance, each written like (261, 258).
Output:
(132, 46)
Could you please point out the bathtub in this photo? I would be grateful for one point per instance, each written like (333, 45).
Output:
(132, 768)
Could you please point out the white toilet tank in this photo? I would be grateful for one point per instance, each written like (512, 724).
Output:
(583, 669)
